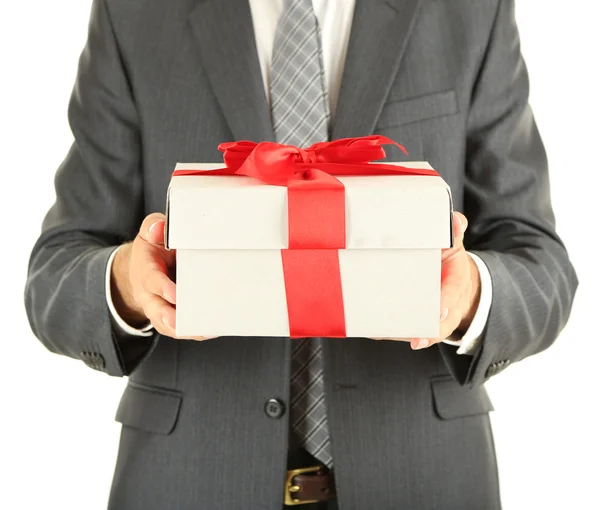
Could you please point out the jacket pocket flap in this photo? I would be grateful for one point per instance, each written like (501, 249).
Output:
(415, 109)
(149, 409)
(451, 400)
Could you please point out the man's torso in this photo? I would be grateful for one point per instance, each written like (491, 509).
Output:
(196, 433)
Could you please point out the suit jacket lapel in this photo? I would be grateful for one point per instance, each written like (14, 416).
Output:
(224, 32)
(380, 32)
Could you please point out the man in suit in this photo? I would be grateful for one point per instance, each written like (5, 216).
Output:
(216, 424)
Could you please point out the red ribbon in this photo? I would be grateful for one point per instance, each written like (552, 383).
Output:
(316, 216)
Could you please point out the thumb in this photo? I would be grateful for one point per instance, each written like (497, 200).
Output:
(153, 229)
(460, 226)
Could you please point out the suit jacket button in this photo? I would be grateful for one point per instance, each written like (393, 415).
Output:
(274, 408)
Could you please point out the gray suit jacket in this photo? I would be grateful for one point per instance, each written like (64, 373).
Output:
(161, 82)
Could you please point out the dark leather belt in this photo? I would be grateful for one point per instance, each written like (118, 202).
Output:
(308, 485)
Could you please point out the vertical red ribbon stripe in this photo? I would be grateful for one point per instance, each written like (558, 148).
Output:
(313, 289)
(311, 269)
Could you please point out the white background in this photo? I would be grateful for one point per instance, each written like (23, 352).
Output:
(57, 434)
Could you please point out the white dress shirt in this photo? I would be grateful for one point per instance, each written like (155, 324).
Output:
(335, 22)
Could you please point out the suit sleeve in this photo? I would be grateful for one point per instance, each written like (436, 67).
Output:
(511, 221)
(99, 205)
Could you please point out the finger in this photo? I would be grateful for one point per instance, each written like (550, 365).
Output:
(417, 344)
(158, 283)
(156, 233)
(454, 287)
(460, 224)
(197, 338)
(459, 227)
(155, 253)
(161, 314)
(455, 281)
(450, 313)
(392, 339)
(153, 229)
(421, 343)
(451, 295)
(449, 325)
(162, 317)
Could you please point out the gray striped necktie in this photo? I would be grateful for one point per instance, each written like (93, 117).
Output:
(300, 116)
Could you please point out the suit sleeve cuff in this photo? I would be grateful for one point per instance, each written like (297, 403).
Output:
(471, 340)
(118, 322)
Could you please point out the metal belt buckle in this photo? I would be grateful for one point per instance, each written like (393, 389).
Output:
(290, 488)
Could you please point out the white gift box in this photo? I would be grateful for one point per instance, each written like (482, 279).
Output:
(229, 231)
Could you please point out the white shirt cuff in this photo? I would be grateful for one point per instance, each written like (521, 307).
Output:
(471, 340)
(117, 320)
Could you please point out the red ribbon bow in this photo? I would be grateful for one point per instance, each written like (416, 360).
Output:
(276, 164)
(316, 216)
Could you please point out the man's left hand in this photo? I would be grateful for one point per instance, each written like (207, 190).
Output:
(461, 287)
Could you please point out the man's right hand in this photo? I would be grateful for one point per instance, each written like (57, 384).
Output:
(141, 288)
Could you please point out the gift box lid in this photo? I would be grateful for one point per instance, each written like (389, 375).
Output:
(232, 212)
